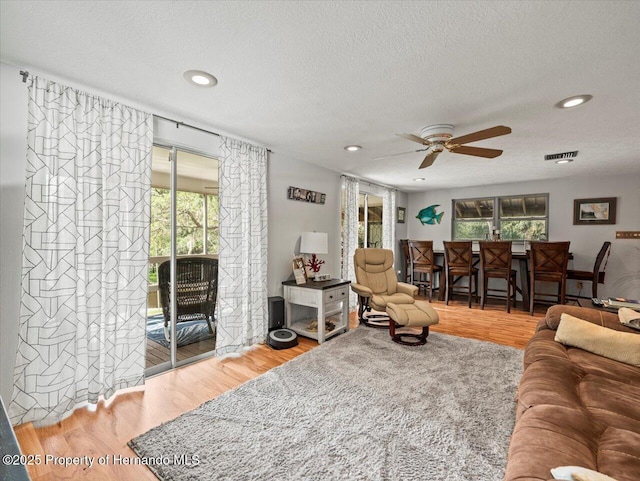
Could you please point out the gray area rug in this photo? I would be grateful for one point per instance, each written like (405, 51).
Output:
(358, 407)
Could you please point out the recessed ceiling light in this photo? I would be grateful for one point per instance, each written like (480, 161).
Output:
(200, 78)
(563, 161)
(353, 148)
(419, 179)
(573, 101)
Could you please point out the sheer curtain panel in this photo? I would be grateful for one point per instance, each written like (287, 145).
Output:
(350, 192)
(242, 258)
(389, 220)
(85, 261)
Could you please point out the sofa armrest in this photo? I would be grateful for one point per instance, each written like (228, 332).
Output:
(361, 290)
(596, 316)
(405, 288)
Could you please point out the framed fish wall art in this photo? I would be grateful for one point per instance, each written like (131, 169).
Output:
(429, 216)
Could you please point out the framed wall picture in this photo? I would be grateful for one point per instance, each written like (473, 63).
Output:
(304, 195)
(402, 215)
(594, 211)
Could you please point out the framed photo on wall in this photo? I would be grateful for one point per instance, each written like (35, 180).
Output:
(402, 215)
(594, 211)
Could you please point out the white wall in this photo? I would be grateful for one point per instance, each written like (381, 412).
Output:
(289, 218)
(623, 269)
(13, 161)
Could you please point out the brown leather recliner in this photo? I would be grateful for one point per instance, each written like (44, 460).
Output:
(377, 285)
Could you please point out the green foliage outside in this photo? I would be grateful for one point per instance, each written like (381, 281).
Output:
(509, 230)
(522, 229)
(189, 224)
(468, 230)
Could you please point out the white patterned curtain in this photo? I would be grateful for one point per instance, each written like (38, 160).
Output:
(85, 261)
(389, 219)
(242, 318)
(350, 192)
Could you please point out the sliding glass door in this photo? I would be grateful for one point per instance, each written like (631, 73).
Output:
(183, 252)
(369, 220)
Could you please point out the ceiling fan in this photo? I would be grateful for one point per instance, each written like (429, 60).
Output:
(438, 137)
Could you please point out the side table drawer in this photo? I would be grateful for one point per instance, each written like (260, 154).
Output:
(304, 297)
(336, 295)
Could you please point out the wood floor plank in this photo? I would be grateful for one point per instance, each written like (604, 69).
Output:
(132, 412)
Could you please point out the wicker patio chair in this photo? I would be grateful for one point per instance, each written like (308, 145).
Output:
(197, 280)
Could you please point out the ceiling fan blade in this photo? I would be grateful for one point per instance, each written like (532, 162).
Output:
(477, 151)
(414, 138)
(429, 160)
(401, 153)
(481, 135)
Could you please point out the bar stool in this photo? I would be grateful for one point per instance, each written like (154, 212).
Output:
(421, 255)
(495, 263)
(458, 261)
(548, 263)
(596, 276)
(406, 260)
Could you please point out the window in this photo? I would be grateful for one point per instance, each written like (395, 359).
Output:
(517, 217)
(523, 217)
(473, 218)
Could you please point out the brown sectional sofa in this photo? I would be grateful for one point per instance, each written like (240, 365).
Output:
(575, 408)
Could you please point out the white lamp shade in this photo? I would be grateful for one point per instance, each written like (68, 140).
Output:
(314, 243)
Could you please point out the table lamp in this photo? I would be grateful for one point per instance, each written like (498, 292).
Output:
(315, 243)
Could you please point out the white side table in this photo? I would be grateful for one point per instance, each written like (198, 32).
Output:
(329, 298)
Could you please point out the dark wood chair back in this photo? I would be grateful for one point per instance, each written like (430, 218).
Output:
(458, 256)
(421, 254)
(549, 259)
(602, 257)
(458, 261)
(495, 255)
(406, 258)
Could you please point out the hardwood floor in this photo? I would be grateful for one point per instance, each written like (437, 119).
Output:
(157, 353)
(164, 397)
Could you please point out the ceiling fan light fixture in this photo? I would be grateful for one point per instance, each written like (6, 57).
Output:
(563, 161)
(418, 179)
(574, 101)
(353, 148)
(200, 78)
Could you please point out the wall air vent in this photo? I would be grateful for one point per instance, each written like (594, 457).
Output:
(563, 155)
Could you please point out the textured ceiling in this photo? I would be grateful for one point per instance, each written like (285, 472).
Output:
(308, 78)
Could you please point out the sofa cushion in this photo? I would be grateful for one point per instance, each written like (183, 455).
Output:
(547, 436)
(578, 473)
(620, 346)
(595, 316)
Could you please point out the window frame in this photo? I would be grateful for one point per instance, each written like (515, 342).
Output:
(497, 217)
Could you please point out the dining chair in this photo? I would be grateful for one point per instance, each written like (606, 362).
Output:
(596, 276)
(406, 260)
(548, 263)
(422, 264)
(458, 261)
(495, 263)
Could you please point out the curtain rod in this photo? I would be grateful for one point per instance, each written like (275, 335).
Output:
(370, 183)
(25, 75)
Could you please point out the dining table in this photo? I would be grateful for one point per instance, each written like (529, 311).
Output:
(522, 256)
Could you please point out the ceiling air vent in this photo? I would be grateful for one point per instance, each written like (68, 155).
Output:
(563, 155)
